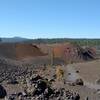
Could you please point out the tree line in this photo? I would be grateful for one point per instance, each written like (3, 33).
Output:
(81, 42)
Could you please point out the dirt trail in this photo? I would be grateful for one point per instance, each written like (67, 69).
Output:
(74, 76)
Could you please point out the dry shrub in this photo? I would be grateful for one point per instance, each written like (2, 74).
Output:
(59, 73)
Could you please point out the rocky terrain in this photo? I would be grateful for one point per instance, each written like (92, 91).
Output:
(45, 82)
(46, 77)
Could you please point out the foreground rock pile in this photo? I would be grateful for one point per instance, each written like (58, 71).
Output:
(10, 71)
(38, 88)
(35, 87)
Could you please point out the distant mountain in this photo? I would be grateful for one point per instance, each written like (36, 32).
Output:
(13, 40)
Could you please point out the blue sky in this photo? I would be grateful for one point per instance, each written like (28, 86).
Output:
(50, 18)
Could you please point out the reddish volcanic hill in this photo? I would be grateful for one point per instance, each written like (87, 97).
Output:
(71, 52)
(67, 52)
(19, 51)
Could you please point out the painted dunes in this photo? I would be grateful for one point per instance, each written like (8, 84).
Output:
(67, 52)
(71, 52)
(19, 51)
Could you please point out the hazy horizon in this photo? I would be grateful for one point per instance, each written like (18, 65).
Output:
(47, 38)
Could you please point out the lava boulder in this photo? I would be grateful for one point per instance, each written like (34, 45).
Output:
(3, 92)
(79, 82)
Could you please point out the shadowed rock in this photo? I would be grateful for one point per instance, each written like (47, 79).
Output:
(79, 82)
(3, 92)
